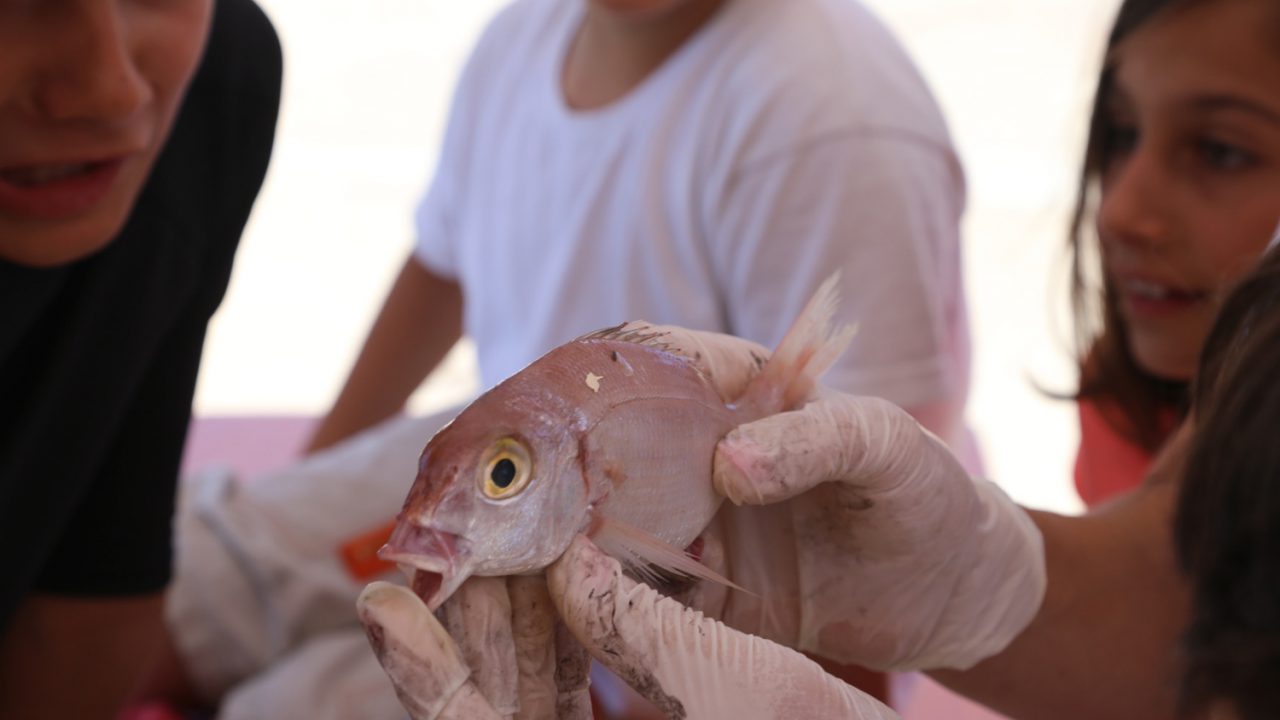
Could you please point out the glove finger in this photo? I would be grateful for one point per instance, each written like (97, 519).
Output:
(533, 624)
(478, 617)
(689, 665)
(428, 672)
(573, 682)
(860, 441)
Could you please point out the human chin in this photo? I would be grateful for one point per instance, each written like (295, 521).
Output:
(58, 234)
(1168, 353)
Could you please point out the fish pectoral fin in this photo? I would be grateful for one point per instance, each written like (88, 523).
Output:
(641, 553)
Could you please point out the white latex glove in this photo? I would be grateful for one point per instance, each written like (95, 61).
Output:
(494, 651)
(688, 665)
(862, 537)
(867, 542)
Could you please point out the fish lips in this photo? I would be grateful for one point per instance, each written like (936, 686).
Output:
(434, 561)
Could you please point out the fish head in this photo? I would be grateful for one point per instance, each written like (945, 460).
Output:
(499, 491)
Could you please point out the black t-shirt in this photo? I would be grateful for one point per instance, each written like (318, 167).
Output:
(98, 358)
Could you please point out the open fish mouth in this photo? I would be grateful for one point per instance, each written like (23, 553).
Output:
(431, 560)
(425, 584)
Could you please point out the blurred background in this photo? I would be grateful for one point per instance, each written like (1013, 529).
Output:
(367, 87)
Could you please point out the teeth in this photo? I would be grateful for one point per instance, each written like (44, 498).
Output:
(40, 174)
(1151, 291)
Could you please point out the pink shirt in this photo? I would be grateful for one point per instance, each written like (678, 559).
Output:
(1107, 463)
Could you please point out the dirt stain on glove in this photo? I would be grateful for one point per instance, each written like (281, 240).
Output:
(626, 661)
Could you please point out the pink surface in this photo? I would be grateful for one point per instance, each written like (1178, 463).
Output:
(249, 445)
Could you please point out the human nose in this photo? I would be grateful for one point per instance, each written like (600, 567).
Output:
(90, 71)
(1136, 201)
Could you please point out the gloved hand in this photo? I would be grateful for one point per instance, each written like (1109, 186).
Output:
(860, 535)
(867, 542)
(509, 659)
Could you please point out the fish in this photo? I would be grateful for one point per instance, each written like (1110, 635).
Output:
(611, 435)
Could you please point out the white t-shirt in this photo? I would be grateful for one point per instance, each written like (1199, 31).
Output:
(784, 141)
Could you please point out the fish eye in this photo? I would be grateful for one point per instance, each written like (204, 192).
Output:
(507, 470)
(503, 473)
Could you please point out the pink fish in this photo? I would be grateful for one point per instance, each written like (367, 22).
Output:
(611, 435)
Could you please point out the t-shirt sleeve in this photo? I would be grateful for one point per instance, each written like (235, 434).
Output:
(881, 210)
(436, 232)
(435, 218)
(433, 223)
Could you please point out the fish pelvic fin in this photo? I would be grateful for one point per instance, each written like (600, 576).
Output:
(647, 556)
(808, 350)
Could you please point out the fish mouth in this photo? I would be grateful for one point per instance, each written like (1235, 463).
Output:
(433, 561)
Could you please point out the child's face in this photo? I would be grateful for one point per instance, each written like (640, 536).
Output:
(1191, 195)
(88, 92)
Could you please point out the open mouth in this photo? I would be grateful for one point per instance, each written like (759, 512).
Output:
(432, 581)
(426, 575)
(1145, 298)
(34, 175)
(430, 559)
(1155, 291)
(57, 190)
(424, 583)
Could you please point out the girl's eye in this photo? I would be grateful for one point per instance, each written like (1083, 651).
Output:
(1223, 156)
(1120, 141)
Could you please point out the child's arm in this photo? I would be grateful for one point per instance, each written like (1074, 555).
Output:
(420, 321)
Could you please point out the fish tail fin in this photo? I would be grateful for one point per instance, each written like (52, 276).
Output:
(648, 557)
(808, 349)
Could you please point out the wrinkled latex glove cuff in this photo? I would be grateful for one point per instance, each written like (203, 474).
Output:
(994, 602)
(892, 558)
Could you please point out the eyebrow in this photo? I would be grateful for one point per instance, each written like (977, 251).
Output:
(1231, 102)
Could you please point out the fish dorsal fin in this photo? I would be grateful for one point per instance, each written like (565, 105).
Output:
(636, 332)
(809, 349)
(642, 553)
